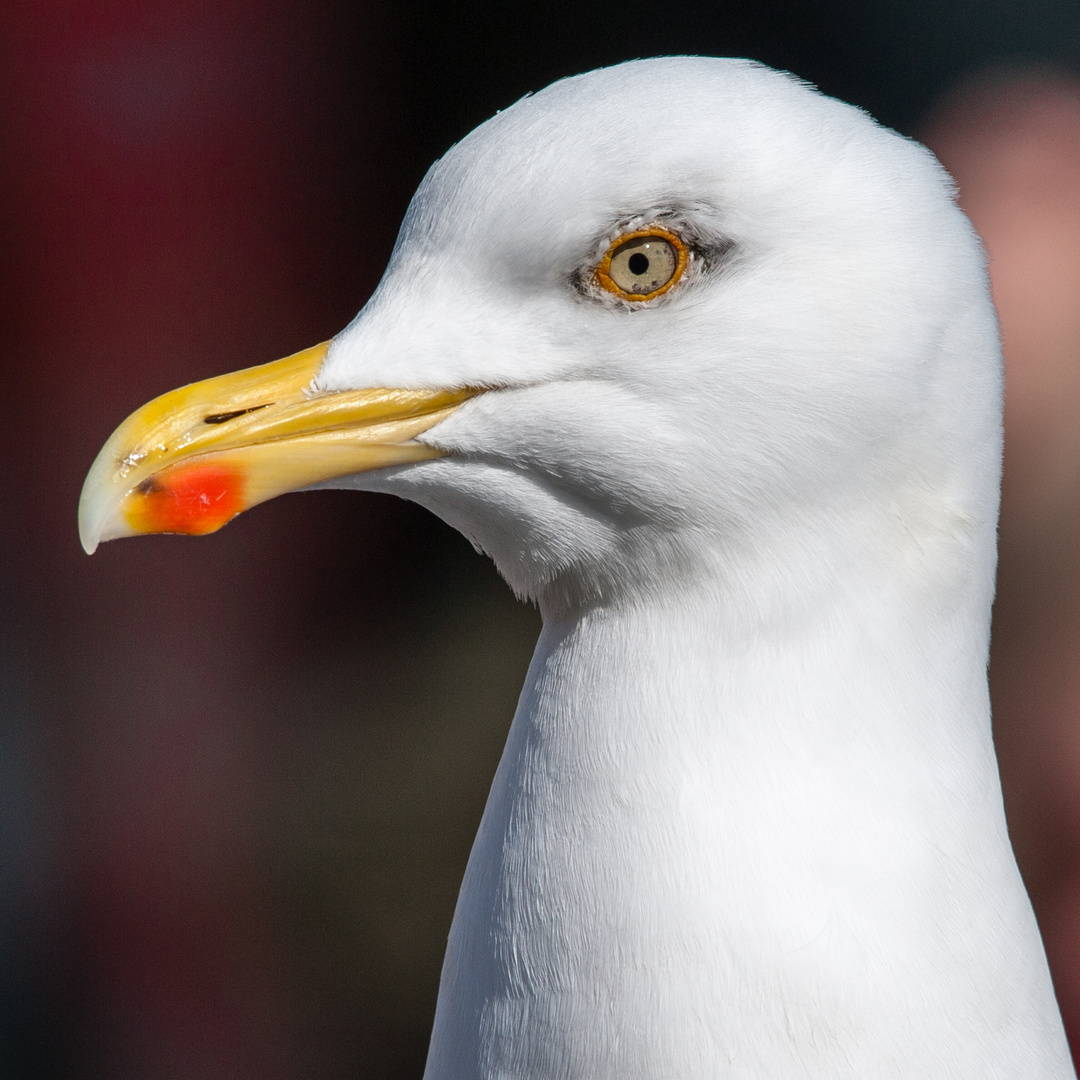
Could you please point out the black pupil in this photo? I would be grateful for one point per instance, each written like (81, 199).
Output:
(638, 263)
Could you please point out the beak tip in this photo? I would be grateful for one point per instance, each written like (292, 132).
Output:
(93, 511)
(89, 531)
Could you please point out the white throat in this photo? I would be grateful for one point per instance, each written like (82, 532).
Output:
(711, 857)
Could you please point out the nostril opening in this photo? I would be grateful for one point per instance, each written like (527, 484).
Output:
(221, 417)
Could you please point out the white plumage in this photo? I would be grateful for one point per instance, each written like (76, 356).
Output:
(748, 822)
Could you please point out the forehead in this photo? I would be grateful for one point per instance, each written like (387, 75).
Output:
(620, 140)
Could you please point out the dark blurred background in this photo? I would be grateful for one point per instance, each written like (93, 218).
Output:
(239, 776)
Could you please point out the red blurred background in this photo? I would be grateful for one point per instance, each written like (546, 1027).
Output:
(240, 776)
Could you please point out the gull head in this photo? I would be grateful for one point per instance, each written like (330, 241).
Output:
(640, 332)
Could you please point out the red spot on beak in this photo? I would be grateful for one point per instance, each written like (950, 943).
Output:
(191, 499)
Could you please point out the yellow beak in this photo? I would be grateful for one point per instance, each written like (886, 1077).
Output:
(194, 458)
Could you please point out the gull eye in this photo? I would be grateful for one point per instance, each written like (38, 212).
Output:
(643, 264)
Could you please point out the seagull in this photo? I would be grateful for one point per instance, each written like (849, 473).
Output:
(706, 362)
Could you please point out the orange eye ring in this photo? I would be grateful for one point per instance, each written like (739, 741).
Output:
(661, 256)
